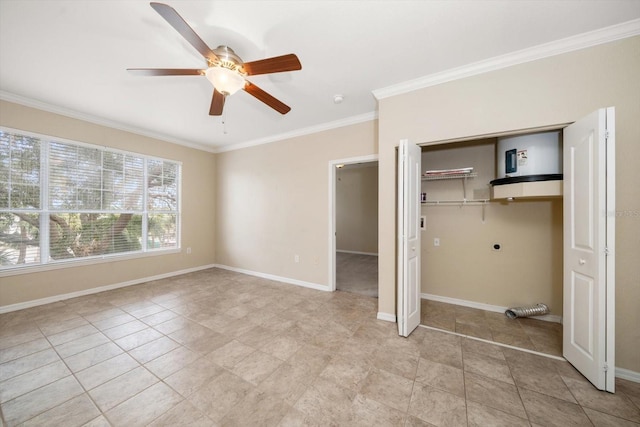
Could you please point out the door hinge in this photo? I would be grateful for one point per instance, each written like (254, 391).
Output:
(606, 251)
(605, 367)
(606, 134)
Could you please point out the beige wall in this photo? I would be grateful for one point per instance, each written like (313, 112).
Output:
(528, 267)
(357, 208)
(258, 207)
(554, 90)
(198, 209)
(273, 202)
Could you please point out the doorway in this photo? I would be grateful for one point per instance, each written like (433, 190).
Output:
(353, 228)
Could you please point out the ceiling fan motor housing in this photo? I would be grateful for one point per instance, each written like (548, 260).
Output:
(228, 59)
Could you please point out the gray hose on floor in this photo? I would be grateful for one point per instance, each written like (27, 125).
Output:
(532, 310)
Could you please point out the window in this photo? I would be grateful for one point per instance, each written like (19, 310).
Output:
(62, 201)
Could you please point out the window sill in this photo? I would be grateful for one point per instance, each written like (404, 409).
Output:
(56, 265)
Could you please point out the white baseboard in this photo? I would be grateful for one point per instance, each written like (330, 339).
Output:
(487, 307)
(386, 317)
(276, 278)
(84, 292)
(61, 297)
(627, 374)
(356, 252)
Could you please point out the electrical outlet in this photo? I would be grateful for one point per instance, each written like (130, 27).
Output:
(296, 258)
(436, 241)
(188, 250)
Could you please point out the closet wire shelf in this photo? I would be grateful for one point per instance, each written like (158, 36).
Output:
(461, 203)
(449, 176)
(462, 176)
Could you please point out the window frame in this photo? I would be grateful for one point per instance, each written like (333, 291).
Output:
(45, 210)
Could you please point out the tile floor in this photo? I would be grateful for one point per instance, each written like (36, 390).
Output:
(528, 333)
(219, 348)
(359, 274)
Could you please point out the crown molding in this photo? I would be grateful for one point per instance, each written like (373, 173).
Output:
(40, 105)
(361, 118)
(67, 112)
(569, 44)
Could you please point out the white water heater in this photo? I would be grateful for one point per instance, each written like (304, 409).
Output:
(527, 158)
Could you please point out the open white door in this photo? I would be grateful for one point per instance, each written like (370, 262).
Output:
(589, 232)
(409, 160)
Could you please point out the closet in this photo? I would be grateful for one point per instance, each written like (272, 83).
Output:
(481, 251)
(522, 250)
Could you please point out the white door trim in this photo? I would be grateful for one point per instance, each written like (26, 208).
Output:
(332, 210)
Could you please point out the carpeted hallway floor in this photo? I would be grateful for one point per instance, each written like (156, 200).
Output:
(357, 273)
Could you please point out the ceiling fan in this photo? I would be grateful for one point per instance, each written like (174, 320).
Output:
(225, 70)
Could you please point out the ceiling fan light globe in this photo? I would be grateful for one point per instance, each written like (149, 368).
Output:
(224, 80)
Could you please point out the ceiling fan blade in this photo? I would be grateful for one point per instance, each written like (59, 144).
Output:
(175, 20)
(166, 71)
(266, 98)
(276, 64)
(217, 104)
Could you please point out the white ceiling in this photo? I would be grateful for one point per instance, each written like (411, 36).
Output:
(71, 56)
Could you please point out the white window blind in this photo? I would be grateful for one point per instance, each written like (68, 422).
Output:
(82, 201)
(162, 199)
(19, 199)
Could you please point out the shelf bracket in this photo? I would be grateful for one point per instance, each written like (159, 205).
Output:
(464, 188)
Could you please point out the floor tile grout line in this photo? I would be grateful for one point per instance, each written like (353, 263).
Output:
(515, 384)
(27, 355)
(517, 349)
(61, 403)
(86, 391)
(464, 380)
(43, 385)
(413, 385)
(550, 356)
(518, 390)
(594, 409)
(518, 387)
(464, 384)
